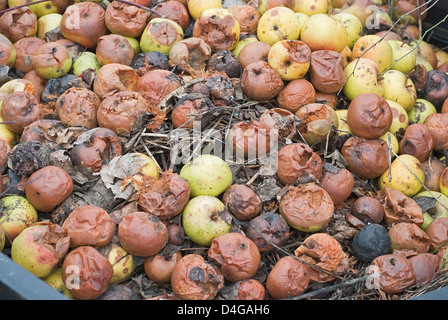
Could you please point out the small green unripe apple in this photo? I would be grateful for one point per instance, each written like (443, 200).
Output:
(207, 175)
(48, 23)
(86, 60)
(40, 247)
(160, 35)
(16, 214)
(204, 218)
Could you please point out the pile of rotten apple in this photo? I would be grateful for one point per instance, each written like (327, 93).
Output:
(107, 193)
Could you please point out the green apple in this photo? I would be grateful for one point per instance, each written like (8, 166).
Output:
(196, 7)
(154, 36)
(40, 247)
(440, 208)
(352, 25)
(343, 127)
(291, 59)
(54, 280)
(322, 32)
(242, 43)
(48, 23)
(204, 218)
(8, 52)
(363, 77)
(86, 60)
(207, 175)
(420, 111)
(278, 23)
(52, 60)
(399, 88)
(311, 7)
(43, 8)
(392, 143)
(134, 44)
(427, 219)
(16, 214)
(400, 120)
(404, 56)
(374, 48)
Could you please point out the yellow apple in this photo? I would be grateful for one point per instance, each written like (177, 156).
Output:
(311, 7)
(196, 7)
(400, 120)
(392, 143)
(374, 48)
(404, 56)
(399, 88)
(321, 32)
(363, 77)
(279, 23)
(291, 58)
(48, 23)
(343, 127)
(352, 25)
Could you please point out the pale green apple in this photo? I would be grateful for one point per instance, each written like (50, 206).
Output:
(399, 88)
(86, 60)
(16, 215)
(352, 25)
(400, 120)
(134, 44)
(404, 56)
(207, 175)
(423, 61)
(48, 23)
(291, 59)
(343, 127)
(420, 111)
(374, 48)
(196, 7)
(312, 7)
(204, 218)
(322, 32)
(242, 43)
(43, 8)
(153, 40)
(278, 23)
(363, 77)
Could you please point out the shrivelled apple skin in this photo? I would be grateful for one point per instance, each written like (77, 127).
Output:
(160, 35)
(207, 175)
(204, 218)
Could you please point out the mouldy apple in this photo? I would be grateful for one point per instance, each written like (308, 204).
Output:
(52, 60)
(421, 110)
(204, 218)
(48, 23)
(207, 175)
(160, 34)
(7, 51)
(16, 214)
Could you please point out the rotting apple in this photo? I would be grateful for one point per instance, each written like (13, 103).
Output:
(2, 238)
(278, 23)
(40, 247)
(51, 60)
(363, 77)
(17, 213)
(160, 35)
(322, 32)
(121, 261)
(86, 60)
(47, 23)
(204, 218)
(207, 175)
(291, 58)
(421, 110)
